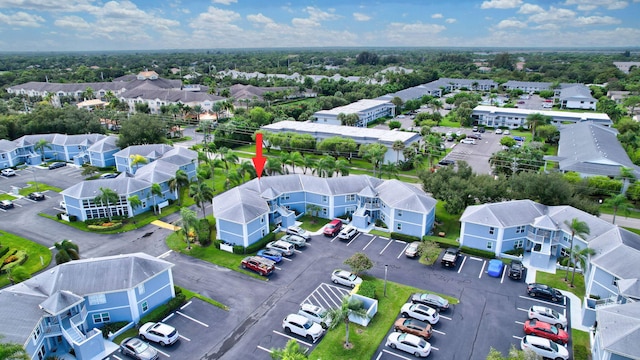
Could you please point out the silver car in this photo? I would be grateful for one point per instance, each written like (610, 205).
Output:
(138, 349)
(296, 230)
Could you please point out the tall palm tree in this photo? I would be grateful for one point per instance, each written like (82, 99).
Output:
(40, 146)
(107, 196)
(374, 153)
(627, 175)
(244, 168)
(188, 220)
(390, 169)
(273, 166)
(326, 166)
(535, 120)
(579, 228)
(180, 180)
(67, 251)
(284, 160)
(398, 146)
(581, 256)
(291, 351)
(156, 190)
(309, 163)
(228, 157)
(201, 193)
(349, 306)
(295, 158)
(618, 202)
(342, 167)
(137, 160)
(134, 203)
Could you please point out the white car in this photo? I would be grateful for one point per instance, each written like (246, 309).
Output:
(468, 141)
(348, 233)
(548, 315)
(409, 343)
(544, 347)
(8, 172)
(317, 314)
(498, 131)
(160, 333)
(412, 249)
(300, 325)
(296, 230)
(506, 132)
(346, 278)
(420, 312)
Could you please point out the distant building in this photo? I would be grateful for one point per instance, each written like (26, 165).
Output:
(493, 116)
(367, 110)
(626, 66)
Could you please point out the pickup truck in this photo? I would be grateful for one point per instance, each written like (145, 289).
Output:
(450, 257)
(258, 264)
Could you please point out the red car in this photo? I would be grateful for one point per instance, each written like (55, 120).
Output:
(546, 330)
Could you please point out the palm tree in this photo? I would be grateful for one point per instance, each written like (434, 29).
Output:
(180, 180)
(342, 167)
(273, 166)
(244, 168)
(67, 251)
(201, 194)
(227, 157)
(398, 146)
(134, 203)
(13, 351)
(618, 202)
(390, 169)
(535, 120)
(374, 153)
(291, 351)
(156, 190)
(313, 210)
(136, 160)
(627, 175)
(188, 220)
(326, 166)
(89, 170)
(284, 160)
(295, 158)
(40, 146)
(107, 196)
(581, 256)
(350, 306)
(579, 228)
(308, 163)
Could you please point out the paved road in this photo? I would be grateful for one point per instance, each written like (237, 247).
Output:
(622, 221)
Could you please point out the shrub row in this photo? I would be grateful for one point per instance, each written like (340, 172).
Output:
(112, 328)
(404, 237)
(481, 253)
(104, 228)
(204, 232)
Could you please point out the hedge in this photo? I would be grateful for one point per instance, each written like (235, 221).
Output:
(481, 253)
(112, 328)
(368, 289)
(104, 228)
(21, 257)
(164, 310)
(4, 251)
(204, 232)
(404, 237)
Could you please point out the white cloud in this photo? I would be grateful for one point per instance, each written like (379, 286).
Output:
(437, 16)
(260, 19)
(450, 20)
(319, 15)
(21, 19)
(500, 4)
(588, 5)
(505, 24)
(225, 2)
(361, 17)
(50, 5)
(554, 15)
(72, 22)
(596, 20)
(530, 9)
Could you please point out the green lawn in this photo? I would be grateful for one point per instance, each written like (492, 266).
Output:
(39, 256)
(366, 339)
(312, 223)
(380, 233)
(557, 281)
(447, 223)
(7, 197)
(581, 344)
(37, 187)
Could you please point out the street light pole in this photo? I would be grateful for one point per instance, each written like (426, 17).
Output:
(386, 267)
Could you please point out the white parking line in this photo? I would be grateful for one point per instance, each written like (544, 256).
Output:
(504, 271)
(185, 305)
(297, 251)
(286, 258)
(439, 332)
(162, 256)
(482, 270)
(290, 337)
(265, 349)
(519, 322)
(184, 338)
(464, 258)
(475, 258)
(542, 301)
(445, 317)
(350, 241)
(403, 250)
(116, 357)
(168, 317)
(161, 352)
(192, 319)
(277, 268)
(517, 337)
(385, 248)
(394, 354)
(370, 241)
(525, 310)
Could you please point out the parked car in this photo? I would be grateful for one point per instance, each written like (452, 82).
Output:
(284, 247)
(498, 131)
(160, 333)
(6, 204)
(546, 330)
(295, 240)
(544, 347)
(547, 315)
(8, 172)
(333, 228)
(450, 257)
(317, 314)
(516, 269)
(474, 129)
(258, 264)
(296, 230)
(273, 255)
(36, 196)
(108, 176)
(519, 138)
(414, 327)
(446, 162)
(138, 349)
(348, 233)
(412, 249)
(420, 312)
(409, 343)
(300, 325)
(346, 278)
(56, 165)
(468, 141)
(506, 132)
(495, 268)
(544, 291)
(481, 130)
(432, 300)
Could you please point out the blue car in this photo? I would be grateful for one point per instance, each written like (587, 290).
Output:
(270, 254)
(495, 268)
(519, 138)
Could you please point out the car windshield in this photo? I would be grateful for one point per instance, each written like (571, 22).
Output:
(352, 277)
(554, 330)
(139, 346)
(554, 346)
(422, 343)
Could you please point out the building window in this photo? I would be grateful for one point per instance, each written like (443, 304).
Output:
(36, 334)
(41, 353)
(382, 217)
(141, 289)
(491, 230)
(399, 212)
(350, 197)
(145, 306)
(398, 226)
(325, 198)
(262, 220)
(325, 212)
(564, 252)
(518, 244)
(489, 245)
(101, 318)
(615, 281)
(285, 197)
(97, 299)
(520, 229)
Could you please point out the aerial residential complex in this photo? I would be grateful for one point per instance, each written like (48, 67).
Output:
(513, 118)
(367, 111)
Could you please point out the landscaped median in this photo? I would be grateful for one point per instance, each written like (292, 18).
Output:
(365, 340)
(38, 257)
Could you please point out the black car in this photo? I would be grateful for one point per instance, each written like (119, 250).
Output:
(481, 130)
(56, 165)
(516, 269)
(6, 204)
(36, 196)
(544, 291)
(446, 162)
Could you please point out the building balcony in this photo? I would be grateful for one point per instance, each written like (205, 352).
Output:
(541, 239)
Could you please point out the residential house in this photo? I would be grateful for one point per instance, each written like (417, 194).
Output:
(101, 153)
(626, 66)
(360, 135)
(150, 152)
(513, 118)
(367, 110)
(62, 309)
(244, 214)
(617, 334)
(577, 96)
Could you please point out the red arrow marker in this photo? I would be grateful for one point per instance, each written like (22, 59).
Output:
(259, 160)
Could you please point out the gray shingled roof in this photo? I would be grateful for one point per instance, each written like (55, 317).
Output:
(576, 91)
(403, 196)
(104, 145)
(6, 145)
(60, 301)
(617, 252)
(528, 84)
(619, 329)
(56, 288)
(150, 150)
(239, 205)
(629, 288)
(169, 95)
(89, 189)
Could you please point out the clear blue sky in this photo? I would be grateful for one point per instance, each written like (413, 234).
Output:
(80, 25)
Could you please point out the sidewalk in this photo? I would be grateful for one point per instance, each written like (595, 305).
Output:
(622, 221)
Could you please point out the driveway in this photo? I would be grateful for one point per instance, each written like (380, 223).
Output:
(477, 156)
